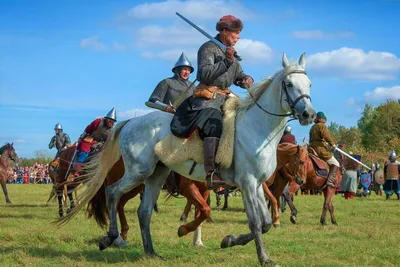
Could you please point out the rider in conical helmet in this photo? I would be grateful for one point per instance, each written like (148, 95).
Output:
(60, 140)
(94, 136)
(170, 92)
(287, 136)
(392, 174)
(319, 140)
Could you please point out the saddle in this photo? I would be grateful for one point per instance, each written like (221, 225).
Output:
(174, 150)
(320, 166)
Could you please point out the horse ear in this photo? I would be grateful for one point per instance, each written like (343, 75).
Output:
(302, 61)
(12, 144)
(285, 61)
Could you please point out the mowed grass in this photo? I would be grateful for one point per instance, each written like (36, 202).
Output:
(368, 235)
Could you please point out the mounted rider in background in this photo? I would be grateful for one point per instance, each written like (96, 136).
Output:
(60, 140)
(94, 136)
(172, 90)
(320, 138)
(287, 136)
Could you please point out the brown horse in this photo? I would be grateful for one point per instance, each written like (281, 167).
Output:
(7, 152)
(63, 178)
(312, 181)
(293, 155)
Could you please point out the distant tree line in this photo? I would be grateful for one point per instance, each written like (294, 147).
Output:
(376, 134)
(41, 157)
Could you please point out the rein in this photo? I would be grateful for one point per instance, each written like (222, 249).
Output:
(292, 103)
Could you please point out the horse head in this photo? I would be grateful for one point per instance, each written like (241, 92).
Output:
(11, 154)
(298, 165)
(295, 91)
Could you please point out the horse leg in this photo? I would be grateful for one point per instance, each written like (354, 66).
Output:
(226, 196)
(259, 221)
(4, 186)
(325, 207)
(113, 194)
(121, 209)
(191, 192)
(71, 202)
(218, 198)
(330, 194)
(186, 211)
(274, 203)
(287, 193)
(153, 186)
(60, 196)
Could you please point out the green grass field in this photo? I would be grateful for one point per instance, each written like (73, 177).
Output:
(368, 235)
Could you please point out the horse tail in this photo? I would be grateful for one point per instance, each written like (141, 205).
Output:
(172, 185)
(96, 171)
(97, 207)
(53, 194)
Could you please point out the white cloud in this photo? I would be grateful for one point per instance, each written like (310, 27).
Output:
(253, 51)
(21, 141)
(153, 35)
(355, 64)
(171, 55)
(350, 101)
(381, 94)
(119, 47)
(93, 42)
(192, 9)
(132, 113)
(318, 34)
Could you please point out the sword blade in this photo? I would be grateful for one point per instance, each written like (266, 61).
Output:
(347, 155)
(215, 41)
(70, 164)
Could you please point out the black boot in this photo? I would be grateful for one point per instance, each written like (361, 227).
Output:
(387, 196)
(398, 196)
(331, 181)
(210, 150)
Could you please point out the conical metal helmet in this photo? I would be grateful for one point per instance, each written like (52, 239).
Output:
(183, 61)
(112, 115)
(58, 127)
(392, 155)
(287, 130)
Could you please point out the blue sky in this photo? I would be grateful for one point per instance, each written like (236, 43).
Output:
(72, 61)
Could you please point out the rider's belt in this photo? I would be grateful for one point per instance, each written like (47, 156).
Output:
(209, 91)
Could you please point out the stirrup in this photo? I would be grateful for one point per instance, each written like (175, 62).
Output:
(210, 181)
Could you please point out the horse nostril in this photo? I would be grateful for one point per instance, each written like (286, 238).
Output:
(306, 114)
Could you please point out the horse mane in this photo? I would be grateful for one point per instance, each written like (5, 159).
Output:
(7, 145)
(259, 88)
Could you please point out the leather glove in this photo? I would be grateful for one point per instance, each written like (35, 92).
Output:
(230, 53)
(247, 82)
(170, 109)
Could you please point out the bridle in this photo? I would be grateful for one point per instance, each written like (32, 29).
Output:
(292, 103)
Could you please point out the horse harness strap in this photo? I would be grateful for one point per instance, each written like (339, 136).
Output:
(292, 103)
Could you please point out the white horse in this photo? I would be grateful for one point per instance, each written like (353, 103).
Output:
(260, 121)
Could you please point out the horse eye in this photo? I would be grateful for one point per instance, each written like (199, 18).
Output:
(289, 85)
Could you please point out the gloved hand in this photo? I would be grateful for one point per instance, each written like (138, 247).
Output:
(170, 109)
(230, 53)
(247, 82)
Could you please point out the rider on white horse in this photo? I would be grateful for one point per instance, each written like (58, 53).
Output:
(217, 70)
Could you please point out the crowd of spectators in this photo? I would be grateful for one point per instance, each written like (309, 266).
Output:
(36, 174)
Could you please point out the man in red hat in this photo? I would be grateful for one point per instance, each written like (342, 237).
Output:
(217, 70)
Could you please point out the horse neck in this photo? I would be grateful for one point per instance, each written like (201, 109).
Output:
(4, 158)
(264, 129)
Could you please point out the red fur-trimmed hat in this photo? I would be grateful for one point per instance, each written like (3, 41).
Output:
(230, 23)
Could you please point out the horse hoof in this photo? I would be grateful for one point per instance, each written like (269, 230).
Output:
(277, 225)
(104, 242)
(8, 201)
(155, 255)
(61, 215)
(182, 231)
(293, 219)
(209, 220)
(228, 241)
(198, 244)
(269, 262)
(120, 242)
(224, 208)
(334, 223)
